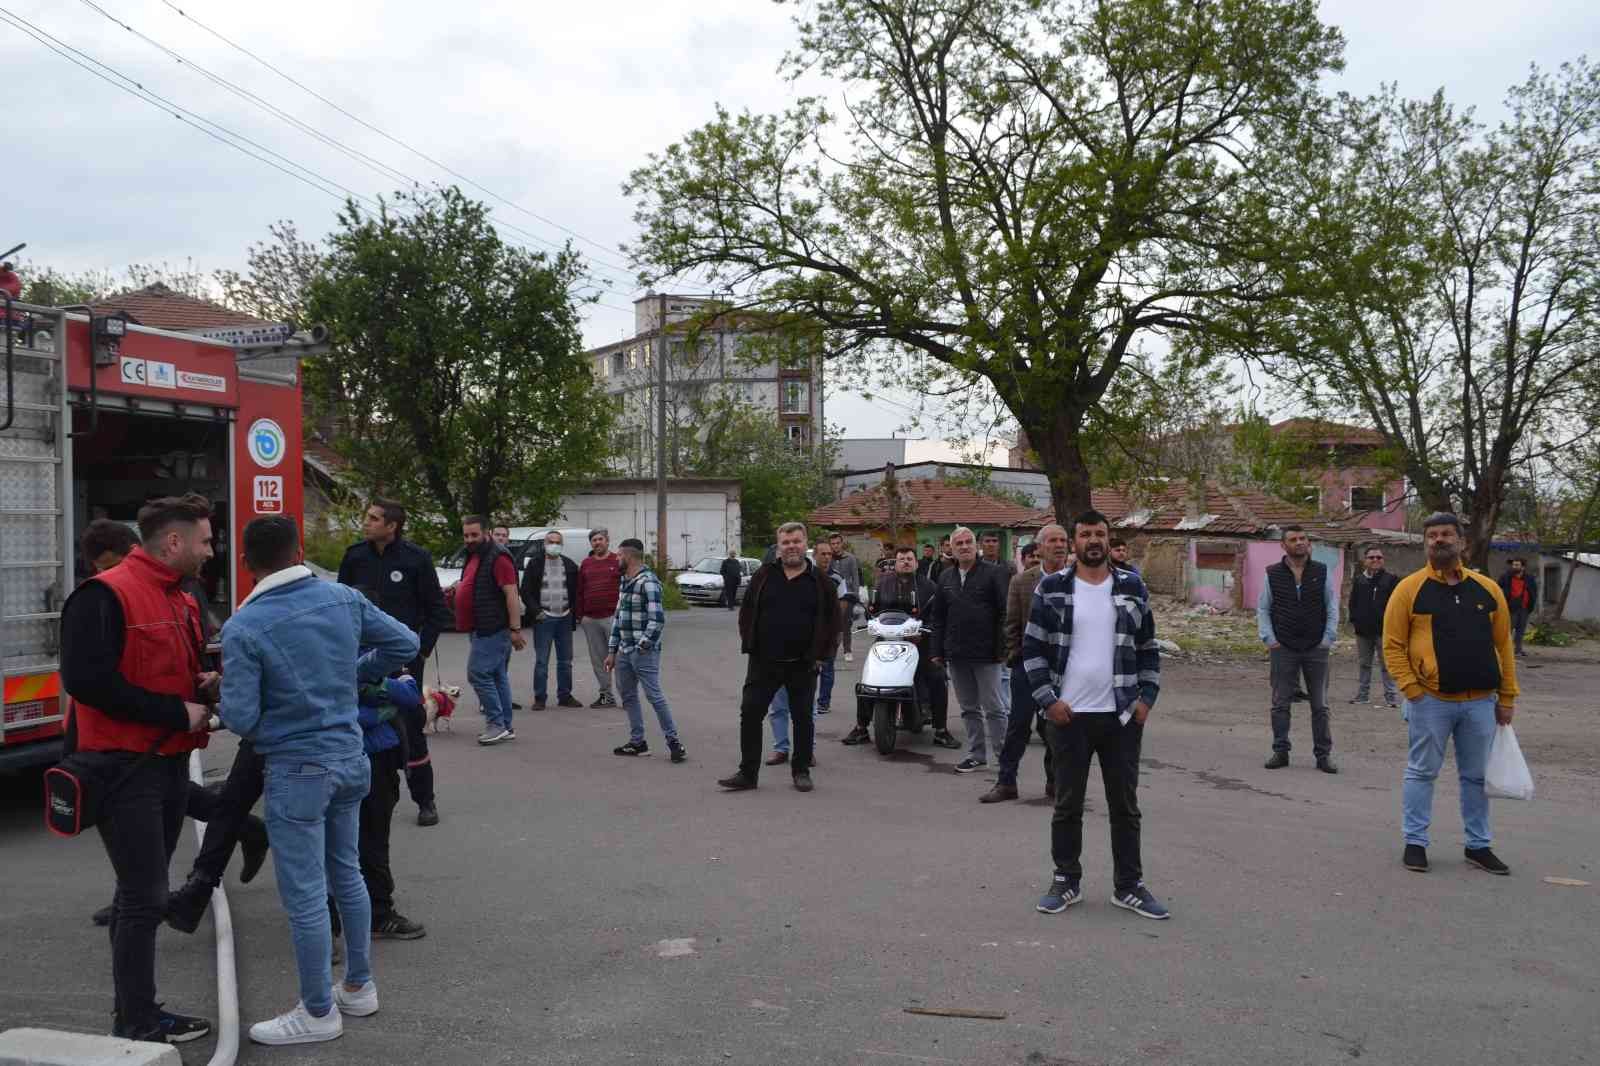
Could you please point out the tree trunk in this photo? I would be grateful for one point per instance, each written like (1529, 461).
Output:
(1485, 515)
(1061, 455)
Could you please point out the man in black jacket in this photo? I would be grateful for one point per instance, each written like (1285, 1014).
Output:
(1297, 616)
(549, 596)
(1369, 598)
(788, 623)
(732, 575)
(399, 577)
(907, 591)
(969, 617)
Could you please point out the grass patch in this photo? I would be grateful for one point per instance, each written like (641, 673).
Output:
(672, 596)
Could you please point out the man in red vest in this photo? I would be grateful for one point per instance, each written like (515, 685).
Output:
(130, 660)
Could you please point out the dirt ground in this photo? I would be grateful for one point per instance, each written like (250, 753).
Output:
(1219, 678)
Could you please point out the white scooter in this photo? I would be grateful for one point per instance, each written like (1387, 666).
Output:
(888, 677)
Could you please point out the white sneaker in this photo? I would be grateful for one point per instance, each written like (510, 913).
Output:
(299, 1026)
(357, 1004)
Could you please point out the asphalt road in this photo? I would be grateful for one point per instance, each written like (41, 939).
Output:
(583, 908)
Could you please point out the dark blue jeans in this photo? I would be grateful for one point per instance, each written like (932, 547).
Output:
(548, 632)
(1023, 719)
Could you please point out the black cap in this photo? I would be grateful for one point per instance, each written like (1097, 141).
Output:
(633, 542)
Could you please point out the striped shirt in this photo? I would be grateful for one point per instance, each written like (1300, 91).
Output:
(1047, 640)
(640, 616)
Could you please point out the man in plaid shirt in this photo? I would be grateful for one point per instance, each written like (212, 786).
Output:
(1095, 671)
(635, 651)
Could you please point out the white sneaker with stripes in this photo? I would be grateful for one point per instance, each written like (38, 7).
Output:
(357, 1004)
(298, 1026)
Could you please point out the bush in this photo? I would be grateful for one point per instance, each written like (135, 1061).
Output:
(672, 596)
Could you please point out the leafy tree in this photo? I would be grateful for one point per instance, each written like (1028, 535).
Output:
(277, 279)
(1452, 290)
(779, 481)
(458, 358)
(1019, 191)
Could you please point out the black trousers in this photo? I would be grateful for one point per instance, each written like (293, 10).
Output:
(762, 681)
(229, 817)
(139, 826)
(419, 764)
(377, 815)
(933, 688)
(1117, 746)
(730, 595)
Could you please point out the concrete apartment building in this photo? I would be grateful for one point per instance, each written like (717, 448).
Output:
(711, 357)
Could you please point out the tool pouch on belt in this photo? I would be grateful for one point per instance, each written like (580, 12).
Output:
(77, 787)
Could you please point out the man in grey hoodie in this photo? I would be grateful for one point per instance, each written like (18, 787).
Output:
(848, 569)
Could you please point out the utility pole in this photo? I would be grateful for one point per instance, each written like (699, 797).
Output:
(894, 505)
(661, 433)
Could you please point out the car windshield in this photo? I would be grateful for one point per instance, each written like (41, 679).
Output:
(709, 565)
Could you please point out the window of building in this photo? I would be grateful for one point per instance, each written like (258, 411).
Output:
(1363, 498)
(619, 363)
(796, 397)
(796, 433)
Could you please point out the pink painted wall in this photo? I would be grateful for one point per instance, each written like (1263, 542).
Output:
(1207, 587)
(1260, 554)
(1335, 488)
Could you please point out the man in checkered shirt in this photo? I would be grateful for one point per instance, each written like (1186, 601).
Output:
(635, 651)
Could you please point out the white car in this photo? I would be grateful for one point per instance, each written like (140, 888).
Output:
(702, 582)
(524, 540)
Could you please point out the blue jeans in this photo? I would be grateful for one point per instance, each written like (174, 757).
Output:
(778, 714)
(314, 820)
(548, 631)
(824, 686)
(636, 668)
(1021, 721)
(1432, 722)
(489, 674)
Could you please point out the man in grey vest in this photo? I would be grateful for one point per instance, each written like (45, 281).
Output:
(1297, 616)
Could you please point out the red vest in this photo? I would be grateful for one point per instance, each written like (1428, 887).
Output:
(160, 653)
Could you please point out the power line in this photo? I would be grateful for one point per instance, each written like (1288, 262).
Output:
(388, 173)
(214, 130)
(390, 137)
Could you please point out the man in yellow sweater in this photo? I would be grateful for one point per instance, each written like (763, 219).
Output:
(1447, 643)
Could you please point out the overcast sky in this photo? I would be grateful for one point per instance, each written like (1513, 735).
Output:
(548, 112)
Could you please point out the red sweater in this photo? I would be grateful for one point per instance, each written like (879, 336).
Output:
(599, 580)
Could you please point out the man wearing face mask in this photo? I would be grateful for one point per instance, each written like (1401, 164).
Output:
(549, 588)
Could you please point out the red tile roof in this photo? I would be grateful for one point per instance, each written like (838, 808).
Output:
(926, 501)
(1322, 431)
(159, 307)
(1164, 509)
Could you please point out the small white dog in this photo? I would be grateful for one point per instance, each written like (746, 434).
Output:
(440, 704)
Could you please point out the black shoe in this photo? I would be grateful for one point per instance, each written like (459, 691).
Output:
(632, 747)
(802, 781)
(188, 904)
(1327, 765)
(538, 706)
(428, 814)
(1415, 858)
(738, 782)
(676, 750)
(253, 847)
(605, 700)
(943, 739)
(101, 917)
(1484, 859)
(567, 701)
(397, 926)
(777, 758)
(1279, 760)
(858, 735)
(970, 765)
(182, 1028)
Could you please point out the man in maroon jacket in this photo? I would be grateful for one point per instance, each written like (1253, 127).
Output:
(599, 578)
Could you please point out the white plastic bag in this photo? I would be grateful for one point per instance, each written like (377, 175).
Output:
(1507, 776)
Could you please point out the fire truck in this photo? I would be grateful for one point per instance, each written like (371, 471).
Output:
(99, 415)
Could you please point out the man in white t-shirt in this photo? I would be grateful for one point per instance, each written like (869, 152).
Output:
(1094, 671)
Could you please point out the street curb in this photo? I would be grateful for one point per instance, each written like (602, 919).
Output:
(52, 1047)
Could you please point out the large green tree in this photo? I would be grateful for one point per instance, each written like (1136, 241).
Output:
(1015, 191)
(457, 359)
(1450, 294)
(779, 480)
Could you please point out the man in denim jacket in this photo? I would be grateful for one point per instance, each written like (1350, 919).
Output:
(290, 661)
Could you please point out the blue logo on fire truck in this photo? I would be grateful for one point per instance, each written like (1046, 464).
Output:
(265, 442)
